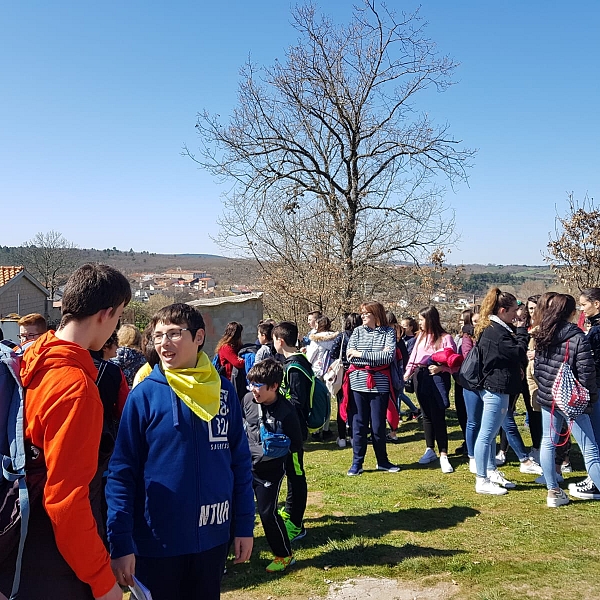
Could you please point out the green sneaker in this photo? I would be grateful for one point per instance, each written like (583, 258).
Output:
(294, 533)
(285, 516)
(280, 564)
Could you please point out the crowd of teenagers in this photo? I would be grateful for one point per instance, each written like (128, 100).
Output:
(147, 461)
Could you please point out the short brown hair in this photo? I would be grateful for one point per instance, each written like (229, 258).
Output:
(92, 288)
(377, 310)
(288, 332)
(35, 320)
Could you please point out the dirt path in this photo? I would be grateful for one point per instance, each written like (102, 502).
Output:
(388, 589)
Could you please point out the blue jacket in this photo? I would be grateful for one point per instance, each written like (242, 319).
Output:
(177, 483)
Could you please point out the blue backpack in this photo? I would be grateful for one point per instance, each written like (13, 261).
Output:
(14, 495)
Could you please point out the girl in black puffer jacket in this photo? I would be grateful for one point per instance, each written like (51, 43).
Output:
(590, 305)
(557, 340)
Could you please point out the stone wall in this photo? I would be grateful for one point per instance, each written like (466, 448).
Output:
(246, 309)
(22, 297)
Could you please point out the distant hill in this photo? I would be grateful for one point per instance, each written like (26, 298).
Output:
(230, 271)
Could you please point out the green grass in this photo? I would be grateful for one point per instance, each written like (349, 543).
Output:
(422, 526)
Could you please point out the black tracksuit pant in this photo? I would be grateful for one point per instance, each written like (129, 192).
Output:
(297, 488)
(266, 481)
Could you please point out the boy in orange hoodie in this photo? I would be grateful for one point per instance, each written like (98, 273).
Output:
(64, 556)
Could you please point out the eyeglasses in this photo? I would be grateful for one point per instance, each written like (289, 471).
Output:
(255, 386)
(29, 336)
(365, 314)
(174, 335)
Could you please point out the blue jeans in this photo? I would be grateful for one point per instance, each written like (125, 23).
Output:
(595, 419)
(584, 434)
(474, 407)
(513, 436)
(404, 398)
(495, 406)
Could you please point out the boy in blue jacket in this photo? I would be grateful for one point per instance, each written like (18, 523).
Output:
(180, 476)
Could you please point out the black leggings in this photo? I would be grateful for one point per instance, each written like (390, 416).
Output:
(432, 407)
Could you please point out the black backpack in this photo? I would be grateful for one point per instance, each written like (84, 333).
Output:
(470, 375)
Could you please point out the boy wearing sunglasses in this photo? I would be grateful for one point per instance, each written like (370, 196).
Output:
(266, 411)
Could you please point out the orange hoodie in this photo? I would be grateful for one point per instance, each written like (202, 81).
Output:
(63, 416)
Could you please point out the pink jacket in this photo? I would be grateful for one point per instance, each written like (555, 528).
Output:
(424, 348)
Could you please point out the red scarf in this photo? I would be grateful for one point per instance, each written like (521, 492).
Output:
(392, 415)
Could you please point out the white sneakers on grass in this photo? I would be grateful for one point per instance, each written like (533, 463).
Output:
(445, 464)
(483, 485)
(556, 498)
(498, 478)
(530, 467)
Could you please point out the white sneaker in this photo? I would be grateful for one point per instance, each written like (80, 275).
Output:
(498, 477)
(445, 464)
(559, 479)
(535, 455)
(341, 442)
(530, 467)
(556, 498)
(473, 466)
(484, 486)
(428, 457)
(500, 458)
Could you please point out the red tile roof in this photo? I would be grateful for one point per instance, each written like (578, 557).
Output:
(7, 273)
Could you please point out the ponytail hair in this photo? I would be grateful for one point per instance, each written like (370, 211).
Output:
(494, 300)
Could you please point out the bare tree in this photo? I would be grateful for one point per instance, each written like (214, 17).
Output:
(49, 257)
(330, 144)
(574, 253)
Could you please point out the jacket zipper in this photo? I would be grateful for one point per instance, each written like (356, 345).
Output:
(197, 486)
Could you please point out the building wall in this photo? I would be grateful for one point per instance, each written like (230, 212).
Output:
(217, 312)
(22, 297)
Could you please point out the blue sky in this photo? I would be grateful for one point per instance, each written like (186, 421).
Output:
(98, 100)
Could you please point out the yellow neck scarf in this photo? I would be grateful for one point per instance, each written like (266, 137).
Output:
(199, 388)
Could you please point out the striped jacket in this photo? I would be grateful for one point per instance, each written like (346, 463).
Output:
(378, 347)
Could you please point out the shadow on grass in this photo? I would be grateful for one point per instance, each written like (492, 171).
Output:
(327, 527)
(355, 551)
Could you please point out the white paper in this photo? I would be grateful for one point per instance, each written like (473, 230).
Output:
(139, 591)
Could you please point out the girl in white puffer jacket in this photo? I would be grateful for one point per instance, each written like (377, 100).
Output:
(319, 350)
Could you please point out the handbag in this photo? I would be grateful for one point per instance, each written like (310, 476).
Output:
(409, 386)
(470, 375)
(334, 376)
(274, 445)
(568, 395)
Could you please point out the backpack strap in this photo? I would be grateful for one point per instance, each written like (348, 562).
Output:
(13, 466)
(101, 370)
(296, 365)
